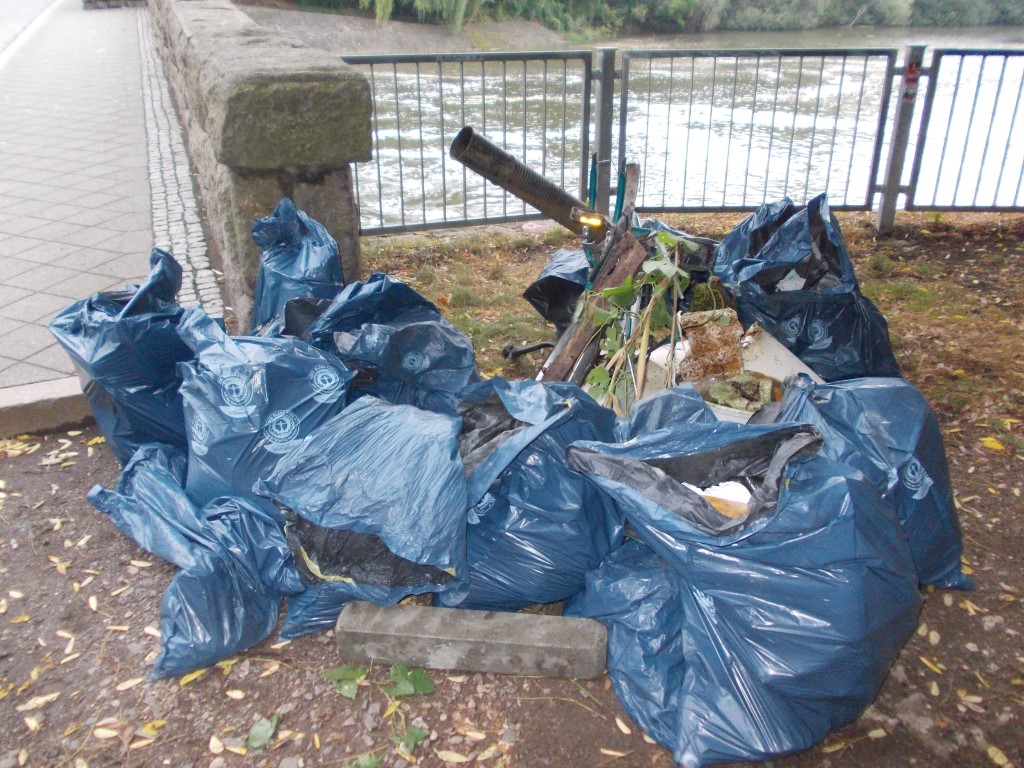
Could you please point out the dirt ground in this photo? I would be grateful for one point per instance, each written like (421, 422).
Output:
(79, 603)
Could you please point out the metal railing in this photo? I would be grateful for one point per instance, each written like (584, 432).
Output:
(536, 106)
(713, 130)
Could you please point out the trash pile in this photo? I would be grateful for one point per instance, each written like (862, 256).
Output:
(757, 561)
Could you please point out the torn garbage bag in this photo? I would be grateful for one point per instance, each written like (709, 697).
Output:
(375, 499)
(248, 401)
(537, 526)
(425, 363)
(558, 287)
(777, 618)
(125, 347)
(299, 260)
(788, 269)
(885, 428)
(234, 561)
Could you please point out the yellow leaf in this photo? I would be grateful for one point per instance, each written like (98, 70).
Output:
(141, 563)
(3, 605)
(152, 631)
(996, 755)
(316, 741)
(933, 637)
(152, 727)
(20, 619)
(877, 733)
(69, 659)
(622, 726)
(32, 724)
(933, 689)
(489, 753)
(279, 646)
(931, 665)
(16, 594)
(129, 683)
(392, 708)
(272, 668)
(648, 739)
(226, 664)
(186, 679)
(94, 603)
(236, 749)
(474, 735)
(835, 746)
(140, 743)
(118, 591)
(22, 757)
(457, 678)
(97, 441)
(216, 745)
(612, 752)
(451, 757)
(105, 733)
(6, 689)
(235, 694)
(118, 628)
(992, 444)
(38, 701)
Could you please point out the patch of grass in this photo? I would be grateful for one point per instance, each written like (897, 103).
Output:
(880, 265)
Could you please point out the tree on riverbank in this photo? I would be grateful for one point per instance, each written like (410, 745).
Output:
(697, 15)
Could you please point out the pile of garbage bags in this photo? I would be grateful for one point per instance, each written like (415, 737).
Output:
(757, 580)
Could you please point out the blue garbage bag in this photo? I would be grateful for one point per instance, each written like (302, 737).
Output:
(125, 347)
(559, 286)
(234, 560)
(248, 401)
(299, 260)
(788, 269)
(763, 631)
(667, 407)
(316, 609)
(885, 428)
(375, 499)
(536, 526)
(425, 363)
(379, 300)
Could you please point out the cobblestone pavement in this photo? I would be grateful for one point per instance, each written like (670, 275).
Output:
(93, 173)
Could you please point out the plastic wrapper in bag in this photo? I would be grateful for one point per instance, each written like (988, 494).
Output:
(558, 287)
(785, 619)
(788, 269)
(125, 347)
(425, 363)
(249, 401)
(299, 260)
(234, 561)
(375, 499)
(885, 428)
(536, 526)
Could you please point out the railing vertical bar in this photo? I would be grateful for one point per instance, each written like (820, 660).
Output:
(544, 125)
(483, 115)
(732, 120)
(647, 127)
(423, 161)
(668, 126)
(565, 121)
(623, 109)
(585, 129)
(970, 125)
(991, 122)
(711, 122)
(753, 113)
(814, 130)
(949, 124)
(462, 120)
(835, 133)
(376, 138)
(444, 148)
(771, 134)
(522, 205)
(883, 116)
(689, 118)
(1009, 138)
(398, 133)
(504, 127)
(922, 134)
(792, 132)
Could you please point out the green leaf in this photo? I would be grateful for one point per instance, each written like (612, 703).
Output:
(622, 296)
(262, 732)
(412, 737)
(604, 316)
(364, 761)
(346, 679)
(660, 317)
(408, 682)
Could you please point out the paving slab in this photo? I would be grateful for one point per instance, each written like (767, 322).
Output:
(474, 641)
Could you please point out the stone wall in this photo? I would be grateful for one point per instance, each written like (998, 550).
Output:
(265, 117)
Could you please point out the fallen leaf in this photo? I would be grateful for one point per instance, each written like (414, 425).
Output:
(612, 752)
(129, 683)
(105, 733)
(186, 679)
(216, 745)
(97, 441)
(94, 603)
(931, 665)
(457, 678)
(152, 631)
(271, 668)
(119, 590)
(38, 701)
(622, 726)
(877, 733)
(279, 646)
(68, 659)
(835, 746)
(933, 637)
(150, 728)
(235, 694)
(20, 619)
(141, 563)
(262, 732)
(992, 444)
(140, 743)
(236, 749)
(16, 594)
(997, 756)
(32, 724)
(648, 739)
(489, 753)
(474, 735)
(451, 757)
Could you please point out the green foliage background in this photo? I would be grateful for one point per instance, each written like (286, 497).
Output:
(695, 15)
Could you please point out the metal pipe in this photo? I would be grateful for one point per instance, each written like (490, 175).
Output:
(496, 165)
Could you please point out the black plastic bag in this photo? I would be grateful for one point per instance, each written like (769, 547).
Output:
(536, 526)
(559, 286)
(885, 428)
(375, 499)
(234, 561)
(248, 401)
(125, 347)
(762, 632)
(299, 260)
(788, 269)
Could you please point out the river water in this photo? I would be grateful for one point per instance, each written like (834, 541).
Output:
(727, 131)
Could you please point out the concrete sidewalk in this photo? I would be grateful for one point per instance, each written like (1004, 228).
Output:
(93, 174)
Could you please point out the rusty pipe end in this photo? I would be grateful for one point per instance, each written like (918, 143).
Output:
(461, 142)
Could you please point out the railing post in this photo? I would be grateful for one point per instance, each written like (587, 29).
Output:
(605, 113)
(891, 187)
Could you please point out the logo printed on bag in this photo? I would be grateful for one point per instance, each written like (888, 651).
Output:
(237, 393)
(706, 604)
(414, 362)
(476, 514)
(200, 436)
(281, 432)
(916, 478)
(326, 383)
(792, 328)
(819, 336)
